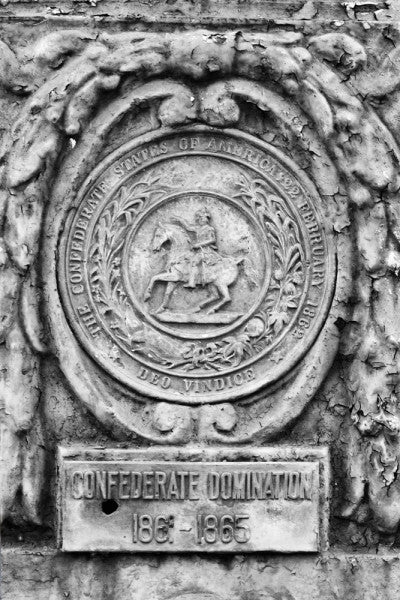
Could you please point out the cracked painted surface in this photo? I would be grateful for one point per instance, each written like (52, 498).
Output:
(320, 84)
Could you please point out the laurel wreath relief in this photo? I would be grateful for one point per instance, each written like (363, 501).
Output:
(109, 237)
(282, 231)
(285, 289)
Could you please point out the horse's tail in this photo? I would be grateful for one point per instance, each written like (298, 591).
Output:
(241, 256)
(248, 270)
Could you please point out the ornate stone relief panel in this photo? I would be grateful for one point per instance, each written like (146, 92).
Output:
(199, 245)
(196, 311)
(229, 276)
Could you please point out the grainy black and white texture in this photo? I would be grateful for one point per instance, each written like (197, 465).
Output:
(233, 169)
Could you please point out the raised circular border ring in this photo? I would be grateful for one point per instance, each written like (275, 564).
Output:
(147, 390)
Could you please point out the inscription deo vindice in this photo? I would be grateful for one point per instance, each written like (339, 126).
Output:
(196, 266)
(188, 506)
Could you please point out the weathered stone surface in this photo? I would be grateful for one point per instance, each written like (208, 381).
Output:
(185, 501)
(205, 307)
(46, 575)
(239, 288)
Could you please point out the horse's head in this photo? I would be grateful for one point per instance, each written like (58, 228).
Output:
(160, 237)
(171, 234)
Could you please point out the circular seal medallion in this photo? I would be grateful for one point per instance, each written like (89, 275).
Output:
(196, 267)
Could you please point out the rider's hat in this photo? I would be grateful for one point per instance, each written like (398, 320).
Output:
(203, 212)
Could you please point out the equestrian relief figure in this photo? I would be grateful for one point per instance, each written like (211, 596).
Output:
(194, 261)
(204, 245)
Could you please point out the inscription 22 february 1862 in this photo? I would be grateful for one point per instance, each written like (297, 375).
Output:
(196, 266)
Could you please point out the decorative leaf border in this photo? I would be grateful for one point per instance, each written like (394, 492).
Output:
(109, 236)
(287, 277)
(288, 256)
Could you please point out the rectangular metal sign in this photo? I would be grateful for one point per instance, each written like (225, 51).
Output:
(137, 505)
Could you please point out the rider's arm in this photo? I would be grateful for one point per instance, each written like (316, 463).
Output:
(184, 223)
(210, 239)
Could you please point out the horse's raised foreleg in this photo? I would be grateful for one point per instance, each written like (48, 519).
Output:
(167, 296)
(224, 292)
(149, 288)
(162, 277)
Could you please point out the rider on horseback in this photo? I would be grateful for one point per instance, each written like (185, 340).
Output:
(204, 245)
